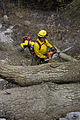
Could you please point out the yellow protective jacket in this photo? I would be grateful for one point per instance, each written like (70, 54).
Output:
(26, 43)
(40, 52)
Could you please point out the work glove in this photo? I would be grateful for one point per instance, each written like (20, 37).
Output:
(46, 59)
(54, 50)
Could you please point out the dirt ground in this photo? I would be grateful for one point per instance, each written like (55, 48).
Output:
(61, 34)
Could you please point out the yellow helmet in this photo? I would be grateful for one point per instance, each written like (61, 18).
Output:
(42, 33)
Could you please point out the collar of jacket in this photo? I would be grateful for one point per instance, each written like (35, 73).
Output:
(41, 42)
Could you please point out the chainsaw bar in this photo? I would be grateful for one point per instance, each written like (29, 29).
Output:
(56, 55)
(66, 49)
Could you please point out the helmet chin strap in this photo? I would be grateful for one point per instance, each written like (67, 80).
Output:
(42, 39)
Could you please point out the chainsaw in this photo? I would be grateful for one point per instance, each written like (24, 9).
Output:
(51, 54)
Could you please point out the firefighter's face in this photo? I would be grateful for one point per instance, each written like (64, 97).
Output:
(42, 39)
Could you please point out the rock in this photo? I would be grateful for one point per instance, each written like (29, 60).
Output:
(0, 25)
(16, 26)
(27, 23)
(2, 119)
(18, 14)
(1, 80)
(62, 119)
(5, 18)
(72, 116)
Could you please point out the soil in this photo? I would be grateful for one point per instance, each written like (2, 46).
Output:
(62, 34)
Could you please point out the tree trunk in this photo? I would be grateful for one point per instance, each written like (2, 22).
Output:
(52, 92)
(67, 57)
(64, 72)
(47, 101)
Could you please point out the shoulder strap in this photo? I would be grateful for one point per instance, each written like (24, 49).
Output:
(39, 45)
(28, 42)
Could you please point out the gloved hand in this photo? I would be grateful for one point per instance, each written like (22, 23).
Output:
(54, 50)
(46, 59)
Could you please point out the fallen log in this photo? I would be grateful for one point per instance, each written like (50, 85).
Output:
(64, 56)
(46, 101)
(67, 57)
(62, 72)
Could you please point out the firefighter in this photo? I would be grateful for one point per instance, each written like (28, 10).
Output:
(27, 42)
(40, 48)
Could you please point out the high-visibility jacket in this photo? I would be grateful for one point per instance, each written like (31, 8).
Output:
(41, 51)
(27, 43)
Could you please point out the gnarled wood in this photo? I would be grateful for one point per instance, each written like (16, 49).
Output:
(40, 102)
(30, 75)
(67, 57)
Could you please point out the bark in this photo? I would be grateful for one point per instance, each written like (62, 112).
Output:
(67, 57)
(51, 94)
(64, 72)
(47, 101)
